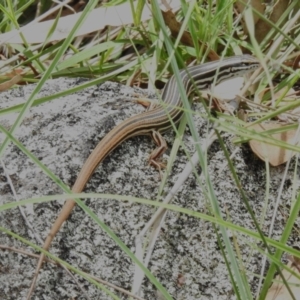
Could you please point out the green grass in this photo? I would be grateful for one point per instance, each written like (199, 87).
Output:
(215, 28)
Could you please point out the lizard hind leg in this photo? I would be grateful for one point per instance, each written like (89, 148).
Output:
(154, 158)
(149, 104)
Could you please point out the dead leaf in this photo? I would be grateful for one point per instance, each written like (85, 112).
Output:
(181, 280)
(223, 97)
(278, 290)
(9, 83)
(273, 154)
(226, 90)
(255, 4)
(262, 28)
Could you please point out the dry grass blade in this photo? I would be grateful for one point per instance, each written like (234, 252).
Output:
(99, 18)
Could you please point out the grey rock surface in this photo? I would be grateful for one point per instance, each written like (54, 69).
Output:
(62, 133)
